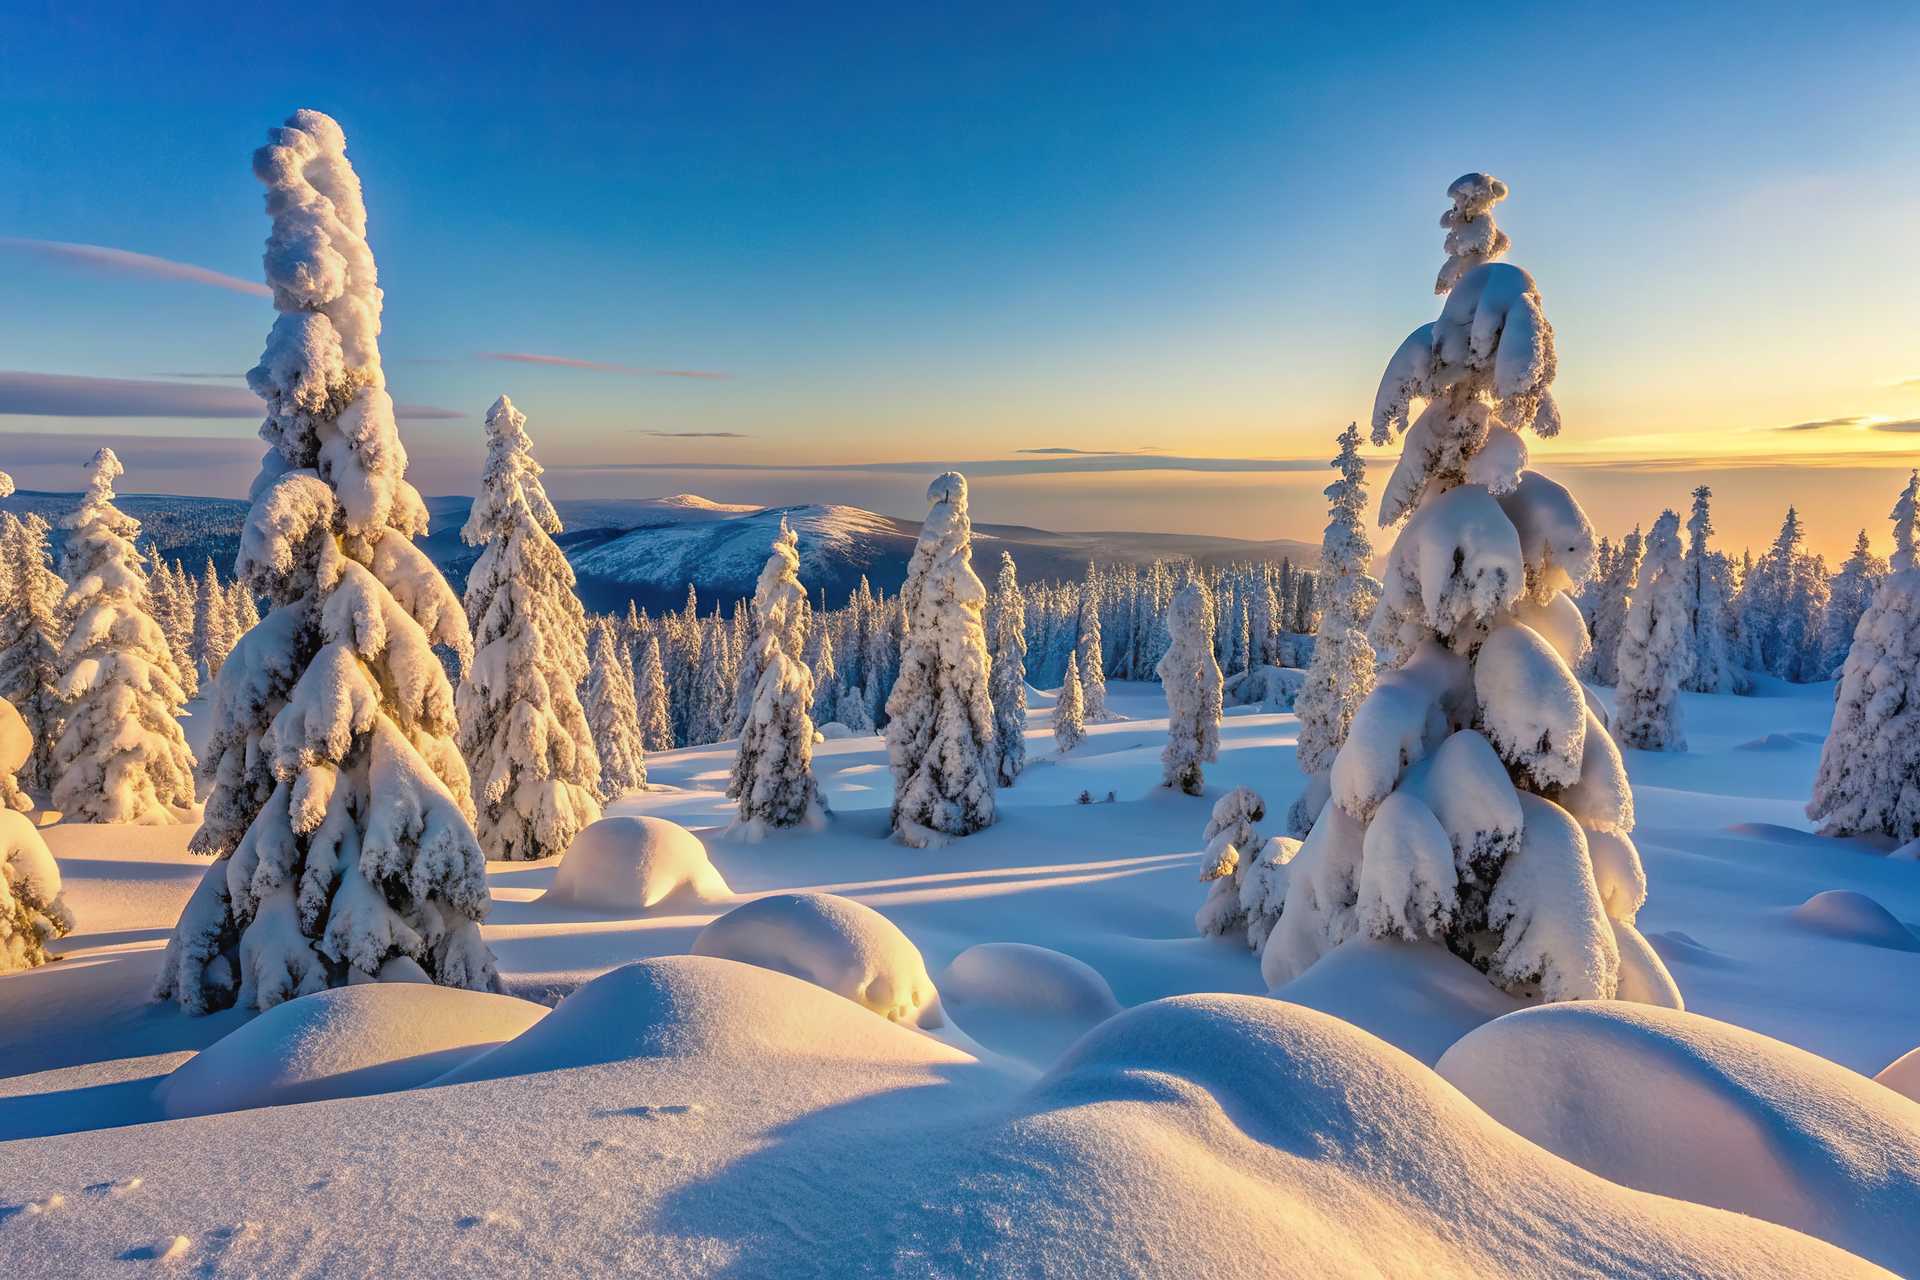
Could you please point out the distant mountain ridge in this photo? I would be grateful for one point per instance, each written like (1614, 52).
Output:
(648, 550)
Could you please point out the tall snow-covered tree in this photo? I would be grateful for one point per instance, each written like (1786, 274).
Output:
(656, 720)
(939, 714)
(773, 772)
(1848, 597)
(246, 614)
(172, 592)
(1711, 669)
(1191, 678)
(1341, 673)
(1093, 660)
(1007, 682)
(826, 677)
(1477, 803)
(30, 643)
(340, 817)
(1070, 709)
(1655, 650)
(522, 731)
(1614, 600)
(613, 714)
(213, 622)
(121, 756)
(1869, 778)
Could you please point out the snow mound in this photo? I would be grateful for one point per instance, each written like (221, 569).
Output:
(1308, 1136)
(701, 1007)
(1902, 1075)
(833, 942)
(1702, 1110)
(1854, 917)
(1779, 742)
(630, 864)
(1032, 1002)
(1416, 996)
(343, 1043)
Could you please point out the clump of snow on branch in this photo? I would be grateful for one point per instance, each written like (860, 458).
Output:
(340, 817)
(1869, 778)
(940, 737)
(522, 730)
(1191, 677)
(1655, 655)
(773, 772)
(1474, 785)
(121, 756)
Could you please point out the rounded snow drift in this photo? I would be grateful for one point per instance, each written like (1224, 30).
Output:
(692, 1007)
(1854, 917)
(1031, 1002)
(1902, 1075)
(635, 864)
(347, 1042)
(1686, 1106)
(833, 942)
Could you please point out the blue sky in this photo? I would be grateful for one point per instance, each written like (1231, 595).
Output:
(941, 233)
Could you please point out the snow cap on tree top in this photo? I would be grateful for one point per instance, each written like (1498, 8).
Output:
(102, 470)
(1472, 238)
(948, 487)
(1903, 519)
(6, 485)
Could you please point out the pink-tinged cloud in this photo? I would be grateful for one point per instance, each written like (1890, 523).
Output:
(58, 395)
(599, 366)
(127, 262)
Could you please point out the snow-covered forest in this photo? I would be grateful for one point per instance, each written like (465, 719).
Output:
(1541, 891)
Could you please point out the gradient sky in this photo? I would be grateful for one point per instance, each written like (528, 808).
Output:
(920, 235)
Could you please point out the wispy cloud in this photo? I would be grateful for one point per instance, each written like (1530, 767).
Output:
(697, 435)
(1904, 424)
(204, 377)
(1060, 449)
(599, 366)
(1855, 422)
(1823, 424)
(127, 262)
(58, 395)
(1029, 466)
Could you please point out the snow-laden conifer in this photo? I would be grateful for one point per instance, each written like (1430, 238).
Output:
(826, 676)
(32, 911)
(939, 714)
(1711, 668)
(1231, 844)
(213, 622)
(340, 817)
(30, 643)
(773, 772)
(656, 718)
(1191, 678)
(1007, 683)
(1093, 660)
(1614, 601)
(1655, 653)
(246, 614)
(1070, 709)
(1869, 778)
(1475, 782)
(613, 714)
(1341, 673)
(121, 756)
(1849, 595)
(522, 731)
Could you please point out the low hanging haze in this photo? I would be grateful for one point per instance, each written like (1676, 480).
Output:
(1131, 267)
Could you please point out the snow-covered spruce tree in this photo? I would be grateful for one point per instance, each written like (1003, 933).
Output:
(826, 677)
(1007, 683)
(30, 643)
(213, 622)
(1228, 844)
(1655, 653)
(340, 818)
(1341, 673)
(613, 715)
(521, 728)
(32, 910)
(246, 614)
(939, 714)
(1477, 802)
(789, 631)
(121, 756)
(1191, 678)
(172, 596)
(1869, 779)
(1711, 668)
(710, 702)
(1614, 601)
(773, 772)
(1093, 660)
(1849, 595)
(656, 716)
(1070, 709)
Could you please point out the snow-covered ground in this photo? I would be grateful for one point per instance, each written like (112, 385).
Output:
(696, 1115)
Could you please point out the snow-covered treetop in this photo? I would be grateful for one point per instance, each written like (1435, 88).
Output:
(6, 485)
(949, 487)
(947, 532)
(1471, 236)
(1903, 517)
(328, 410)
(779, 599)
(510, 488)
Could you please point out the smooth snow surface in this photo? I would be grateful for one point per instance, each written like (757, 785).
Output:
(634, 864)
(833, 942)
(344, 1042)
(1027, 1001)
(1902, 1075)
(1418, 997)
(1685, 1106)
